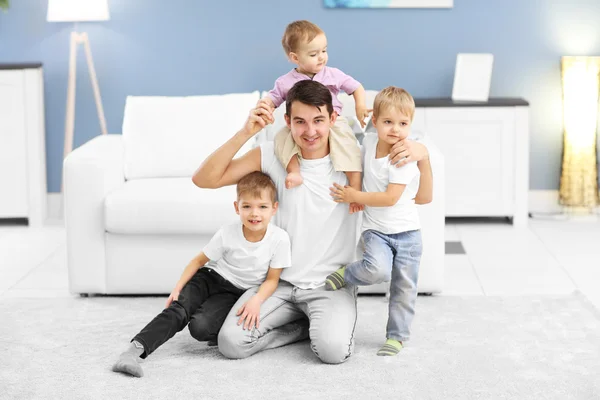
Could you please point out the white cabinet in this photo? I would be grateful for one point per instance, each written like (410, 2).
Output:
(486, 151)
(22, 146)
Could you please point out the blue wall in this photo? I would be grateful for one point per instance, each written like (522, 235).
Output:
(186, 47)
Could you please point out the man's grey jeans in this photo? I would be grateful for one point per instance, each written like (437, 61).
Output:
(283, 320)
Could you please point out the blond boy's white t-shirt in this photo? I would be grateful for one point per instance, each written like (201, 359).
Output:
(322, 232)
(378, 173)
(245, 264)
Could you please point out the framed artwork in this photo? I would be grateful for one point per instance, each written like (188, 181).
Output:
(388, 3)
(472, 77)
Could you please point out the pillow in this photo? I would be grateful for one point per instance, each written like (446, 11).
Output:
(171, 136)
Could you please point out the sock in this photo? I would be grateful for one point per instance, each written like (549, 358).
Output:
(128, 360)
(391, 347)
(335, 281)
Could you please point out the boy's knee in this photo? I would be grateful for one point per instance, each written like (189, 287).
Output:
(233, 342)
(375, 272)
(200, 329)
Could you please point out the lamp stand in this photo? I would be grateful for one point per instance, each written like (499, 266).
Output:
(76, 39)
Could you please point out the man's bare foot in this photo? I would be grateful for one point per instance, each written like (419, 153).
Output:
(293, 180)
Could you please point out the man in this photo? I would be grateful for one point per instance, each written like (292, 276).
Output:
(323, 233)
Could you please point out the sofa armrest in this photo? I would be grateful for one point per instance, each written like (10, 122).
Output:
(432, 216)
(89, 173)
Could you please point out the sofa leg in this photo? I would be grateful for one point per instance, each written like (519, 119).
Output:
(84, 294)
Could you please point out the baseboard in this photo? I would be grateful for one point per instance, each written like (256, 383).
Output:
(546, 202)
(55, 206)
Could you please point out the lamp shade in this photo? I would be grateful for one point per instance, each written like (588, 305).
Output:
(77, 10)
(581, 88)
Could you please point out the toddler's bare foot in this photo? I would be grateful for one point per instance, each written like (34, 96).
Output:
(293, 180)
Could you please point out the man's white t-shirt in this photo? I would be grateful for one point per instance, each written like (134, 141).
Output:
(322, 232)
(378, 173)
(245, 264)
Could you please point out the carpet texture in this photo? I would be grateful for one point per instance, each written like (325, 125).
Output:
(462, 348)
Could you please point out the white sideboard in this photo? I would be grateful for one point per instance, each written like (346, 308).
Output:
(22, 143)
(486, 151)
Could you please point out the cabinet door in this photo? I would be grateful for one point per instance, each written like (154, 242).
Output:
(13, 154)
(477, 144)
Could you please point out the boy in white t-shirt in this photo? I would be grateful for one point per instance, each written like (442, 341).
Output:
(238, 257)
(391, 228)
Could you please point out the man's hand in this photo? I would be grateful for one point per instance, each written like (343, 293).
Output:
(267, 101)
(259, 117)
(173, 297)
(250, 312)
(342, 194)
(361, 113)
(406, 151)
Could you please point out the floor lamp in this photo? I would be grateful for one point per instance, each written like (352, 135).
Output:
(79, 11)
(581, 90)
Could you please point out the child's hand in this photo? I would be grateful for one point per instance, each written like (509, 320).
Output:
(250, 312)
(356, 207)
(342, 194)
(362, 112)
(173, 297)
(267, 101)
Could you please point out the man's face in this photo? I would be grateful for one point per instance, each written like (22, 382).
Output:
(310, 128)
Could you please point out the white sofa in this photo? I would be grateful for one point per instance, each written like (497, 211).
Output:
(133, 216)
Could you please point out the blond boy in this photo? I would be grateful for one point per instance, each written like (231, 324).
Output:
(391, 228)
(240, 256)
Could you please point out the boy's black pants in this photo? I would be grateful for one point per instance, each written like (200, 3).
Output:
(204, 303)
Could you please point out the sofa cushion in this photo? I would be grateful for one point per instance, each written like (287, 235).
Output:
(168, 206)
(170, 136)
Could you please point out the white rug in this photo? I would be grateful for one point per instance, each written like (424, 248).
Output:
(462, 348)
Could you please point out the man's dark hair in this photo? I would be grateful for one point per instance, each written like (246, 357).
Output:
(311, 93)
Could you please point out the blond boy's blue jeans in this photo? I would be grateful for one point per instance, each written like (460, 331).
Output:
(292, 314)
(394, 257)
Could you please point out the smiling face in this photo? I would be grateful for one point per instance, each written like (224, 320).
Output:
(310, 126)
(256, 211)
(392, 125)
(311, 57)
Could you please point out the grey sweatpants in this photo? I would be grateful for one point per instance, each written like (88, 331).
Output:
(330, 326)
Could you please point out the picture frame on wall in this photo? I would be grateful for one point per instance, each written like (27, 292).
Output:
(388, 3)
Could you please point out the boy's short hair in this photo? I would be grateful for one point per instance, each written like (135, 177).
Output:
(395, 98)
(297, 32)
(311, 93)
(254, 184)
